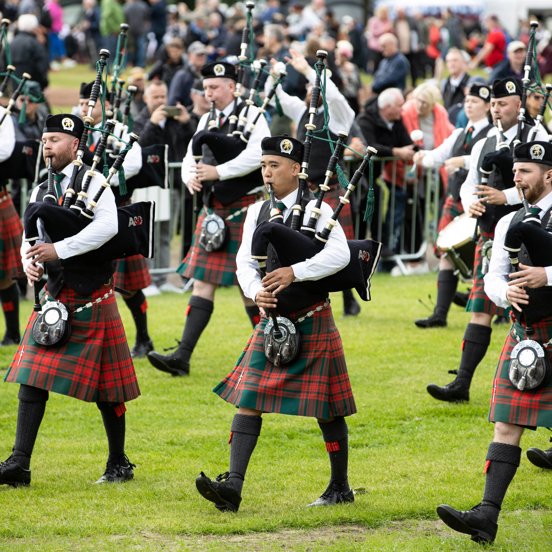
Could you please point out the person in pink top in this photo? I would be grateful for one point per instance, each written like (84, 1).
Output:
(378, 25)
(56, 45)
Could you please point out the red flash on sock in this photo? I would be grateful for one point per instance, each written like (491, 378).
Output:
(487, 466)
(256, 319)
(188, 309)
(8, 306)
(463, 344)
(230, 439)
(333, 446)
(144, 306)
(120, 409)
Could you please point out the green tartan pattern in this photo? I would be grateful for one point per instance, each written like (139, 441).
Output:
(524, 408)
(93, 365)
(346, 215)
(478, 300)
(132, 273)
(217, 267)
(11, 231)
(315, 384)
(451, 209)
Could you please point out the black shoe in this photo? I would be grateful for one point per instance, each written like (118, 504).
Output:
(461, 298)
(351, 308)
(118, 472)
(171, 364)
(472, 522)
(10, 340)
(225, 497)
(541, 458)
(333, 495)
(432, 321)
(455, 391)
(141, 349)
(11, 473)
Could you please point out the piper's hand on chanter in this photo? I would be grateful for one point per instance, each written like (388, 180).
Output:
(517, 296)
(42, 253)
(476, 209)
(278, 280)
(265, 300)
(34, 273)
(528, 276)
(206, 172)
(194, 185)
(490, 195)
(453, 164)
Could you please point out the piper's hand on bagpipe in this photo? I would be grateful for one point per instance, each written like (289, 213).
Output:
(279, 279)
(34, 272)
(194, 185)
(42, 252)
(266, 300)
(476, 209)
(487, 194)
(453, 164)
(517, 296)
(206, 172)
(529, 276)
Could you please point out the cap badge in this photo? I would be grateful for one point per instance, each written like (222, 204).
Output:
(68, 124)
(510, 87)
(286, 146)
(536, 152)
(219, 70)
(484, 93)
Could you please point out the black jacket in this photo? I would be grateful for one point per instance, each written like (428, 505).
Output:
(29, 56)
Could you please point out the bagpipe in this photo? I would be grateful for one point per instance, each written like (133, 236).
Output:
(298, 242)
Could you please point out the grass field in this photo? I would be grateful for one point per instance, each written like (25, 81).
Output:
(408, 452)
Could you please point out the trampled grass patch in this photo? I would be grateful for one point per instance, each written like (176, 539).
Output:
(408, 453)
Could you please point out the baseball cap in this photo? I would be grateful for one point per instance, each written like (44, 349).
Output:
(516, 45)
(197, 47)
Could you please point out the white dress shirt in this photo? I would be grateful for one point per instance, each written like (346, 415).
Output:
(328, 261)
(246, 161)
(496, 279)
(467, 191)
(441, 153)
(102, 228)
(340, 113)
(7, 137)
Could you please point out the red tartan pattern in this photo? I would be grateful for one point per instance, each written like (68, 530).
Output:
(132, 273)
(217, 267)
(346, 215)
(523, 408)
(93, 365)
(11, 232)
(451, 209)
(478, 300)
(315, 384)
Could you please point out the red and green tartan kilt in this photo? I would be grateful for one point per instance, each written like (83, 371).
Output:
(132, 273)
(451, 209)
(524, 408)
(315, 384)
(478, 300)
(217, 267)
(346, 215)
(93, 365)
(11, 232)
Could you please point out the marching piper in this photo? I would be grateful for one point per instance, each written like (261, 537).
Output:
(522, 387)
(208, 265)
(316, 383)
(487, 202)
(88, 358)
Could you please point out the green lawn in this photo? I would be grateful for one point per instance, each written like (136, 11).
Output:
(408, 452)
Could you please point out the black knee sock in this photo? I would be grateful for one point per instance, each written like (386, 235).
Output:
(138, 306)
(114, 429)
(199, 314)
(476, 342)
(10, 305)
(32, 404)
(335, 436)
(253, 313)
(447, 282)
(500, 468)
(243, 438)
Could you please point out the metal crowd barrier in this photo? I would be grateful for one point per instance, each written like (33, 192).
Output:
(408, 242)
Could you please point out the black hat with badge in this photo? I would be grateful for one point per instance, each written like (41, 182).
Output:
(284, 146)
(219, 69)
(66, 123)
(481, 91)
(503, 88)
(534, 152)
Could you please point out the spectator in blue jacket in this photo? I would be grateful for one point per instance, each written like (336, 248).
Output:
(393, 68)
